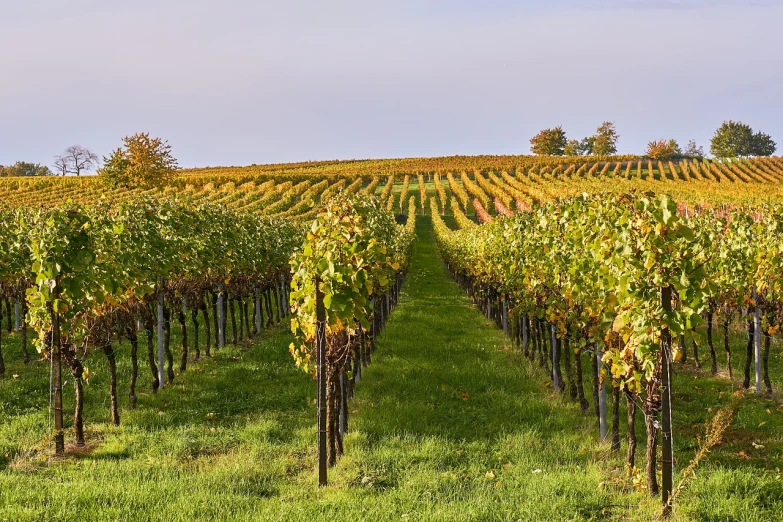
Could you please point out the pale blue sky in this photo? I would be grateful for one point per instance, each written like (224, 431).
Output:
(234, 82)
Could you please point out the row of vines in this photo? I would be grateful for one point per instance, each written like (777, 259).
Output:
(88, 278)
(123, 268)
(630, 281)
(346, 281)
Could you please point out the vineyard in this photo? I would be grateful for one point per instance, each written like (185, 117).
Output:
(425, 338)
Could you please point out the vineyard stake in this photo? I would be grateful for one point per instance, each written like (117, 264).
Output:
(505, 316)
(57, 384)
(221, 320)
(320, 348)
(372, 305)
(555, 362)
(258, 310)
(667, 453)
(757, 339)
(342, 421)
(603, 426)
(161, 378)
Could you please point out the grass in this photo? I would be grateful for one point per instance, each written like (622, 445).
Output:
(234, 437)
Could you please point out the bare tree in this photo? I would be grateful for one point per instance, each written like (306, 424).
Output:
(61, 164)
(75, 160)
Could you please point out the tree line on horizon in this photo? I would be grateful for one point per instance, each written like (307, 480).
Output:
(731, 140)
(141, 161)
(126, 166)
(74, 160)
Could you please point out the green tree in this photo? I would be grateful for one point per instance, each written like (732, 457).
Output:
(22, 168)
(663, 149)
(142, 161)
(587, 146)
(762, 145)
(579, 148)
(732, 139)
(549, 142)
(605, 140)
(572, 148)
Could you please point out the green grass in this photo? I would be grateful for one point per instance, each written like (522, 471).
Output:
(234, 437)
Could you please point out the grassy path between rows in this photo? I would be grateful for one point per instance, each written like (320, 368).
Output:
(448, 423)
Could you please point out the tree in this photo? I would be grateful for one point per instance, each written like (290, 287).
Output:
(572, 148)
(693, 150)
(762, 145)
(22, 168)
(549, 142)
(60, 165)
(587, 146)
(142, 161)
(75, 160)
(602, 143)
(732, 139)
(579, 148)
(663, 149)
(605, 140)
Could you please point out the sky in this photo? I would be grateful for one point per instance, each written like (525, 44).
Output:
(236, 82)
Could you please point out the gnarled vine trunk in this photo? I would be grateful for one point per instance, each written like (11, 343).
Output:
(232, 312)
(652, 444)
(111, 357)
(2, 362)
(749, 354)
(25, 354)
(713, 356)
(596, 384)
(183, 364)
(207, 330)
(77, 371)
(726, 346)
(149, 325)
(615, 418)
(765, 363)
(580, 387)
(572, 392)
(630, 459)
(130, 334)
(194, 319)
(270, 318)
(215, 317)
(167, 344)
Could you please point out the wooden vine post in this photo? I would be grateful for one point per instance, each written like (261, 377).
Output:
(221, 319)
(603, 426)
(667, 454)
(757, 338)
(320, 343)
(57, 385)
(161, 361)
(259, 319)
